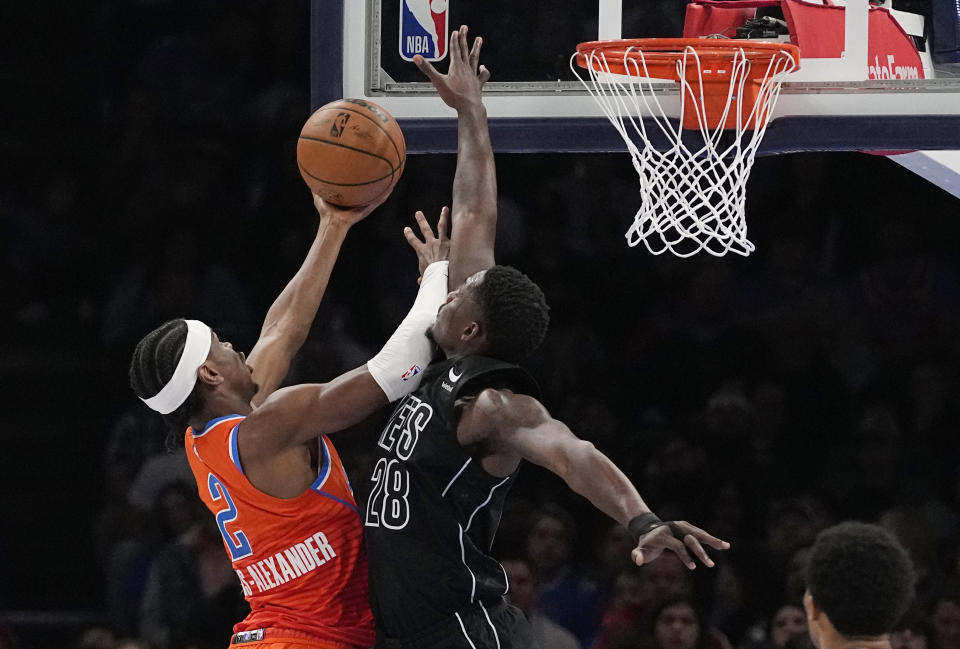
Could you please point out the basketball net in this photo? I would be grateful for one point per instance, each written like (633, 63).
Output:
(692, 194)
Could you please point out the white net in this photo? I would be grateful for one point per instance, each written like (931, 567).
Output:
(693, 195)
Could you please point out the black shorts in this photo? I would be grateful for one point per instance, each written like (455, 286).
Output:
(490, 626)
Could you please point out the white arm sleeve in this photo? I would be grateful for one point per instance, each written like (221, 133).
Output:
(399, 366)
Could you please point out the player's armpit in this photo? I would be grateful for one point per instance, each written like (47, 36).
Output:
(295, 415)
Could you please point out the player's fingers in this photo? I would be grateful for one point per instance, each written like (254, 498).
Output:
(425, 229)
(475, 52)
(641, 556)
(691, 542)
(703, 536)
(484, 74)
(426, 67)
(464, 50)
(676, 546)
(454, 47)
(443, 223)
(412, 239)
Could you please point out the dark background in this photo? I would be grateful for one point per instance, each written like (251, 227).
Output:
(148, 173)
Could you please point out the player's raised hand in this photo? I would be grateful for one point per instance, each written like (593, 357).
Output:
(434, 247)
(679, 537)
(463, 83)
(345, 215)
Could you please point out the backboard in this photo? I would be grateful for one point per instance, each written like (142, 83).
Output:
(360, 49)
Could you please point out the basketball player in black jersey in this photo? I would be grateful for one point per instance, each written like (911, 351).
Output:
(450, 451)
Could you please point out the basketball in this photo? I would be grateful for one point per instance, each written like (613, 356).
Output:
(351, 152)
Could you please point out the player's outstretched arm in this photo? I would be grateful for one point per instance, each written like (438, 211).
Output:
(289, 319)
(513, 426)
(475, 183)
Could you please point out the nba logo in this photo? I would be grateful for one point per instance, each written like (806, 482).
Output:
(423, 29)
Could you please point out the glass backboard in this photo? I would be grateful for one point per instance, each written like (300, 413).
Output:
(361, 47)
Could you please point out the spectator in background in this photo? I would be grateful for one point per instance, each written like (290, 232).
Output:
(96, 637)
(795, 581)
(7, 639)
(913, 631)
(523, 594)
(134, 437)
(676, 472)
(179, 276)
(799, 641)
(945, 615)
(624, 611)
(674, 623)
(566, 597)
(191, 596)
(637, 592)
(792, 524)
(789, 621)
(135, 643)
(614, 552)
(867, 478)
(665, 579)
(919, 528)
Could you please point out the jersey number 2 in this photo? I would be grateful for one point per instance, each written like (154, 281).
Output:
(388, 504)
(237, 542)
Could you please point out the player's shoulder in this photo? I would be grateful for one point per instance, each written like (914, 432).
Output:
(504, 408)
(478, 373)
(217, 427)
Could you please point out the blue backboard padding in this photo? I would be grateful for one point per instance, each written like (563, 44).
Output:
(326, 52)
(784, 135)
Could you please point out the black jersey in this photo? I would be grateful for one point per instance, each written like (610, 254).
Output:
(433, 511)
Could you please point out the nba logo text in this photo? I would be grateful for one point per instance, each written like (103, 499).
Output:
(424, 25)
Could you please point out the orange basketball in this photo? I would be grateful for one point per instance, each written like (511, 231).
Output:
(351, 152)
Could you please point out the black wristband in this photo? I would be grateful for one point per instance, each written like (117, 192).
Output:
(640, 525)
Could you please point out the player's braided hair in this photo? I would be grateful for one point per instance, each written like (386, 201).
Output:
(515, 313)
(154, 361)
(861, 577)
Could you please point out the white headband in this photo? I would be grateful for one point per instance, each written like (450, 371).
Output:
(180, 385)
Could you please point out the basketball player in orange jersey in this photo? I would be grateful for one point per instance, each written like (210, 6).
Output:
(262, 461)
(452, 448)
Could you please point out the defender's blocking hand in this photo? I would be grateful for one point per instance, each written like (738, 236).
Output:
(434, 247)
(461, 86)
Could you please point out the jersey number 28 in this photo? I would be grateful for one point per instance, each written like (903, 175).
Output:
(388, 504)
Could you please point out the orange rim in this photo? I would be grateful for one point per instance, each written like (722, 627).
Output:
(661, 54)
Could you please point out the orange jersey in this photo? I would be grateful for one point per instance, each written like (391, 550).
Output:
(301, 561)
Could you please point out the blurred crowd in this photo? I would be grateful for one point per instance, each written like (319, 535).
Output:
(760, 398)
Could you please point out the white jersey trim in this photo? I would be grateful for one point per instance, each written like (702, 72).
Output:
(454, 479)
(463, 558)
(484, 503)
(464, 629)
(496, 636)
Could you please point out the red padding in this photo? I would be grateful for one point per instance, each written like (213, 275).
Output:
(816, 29)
